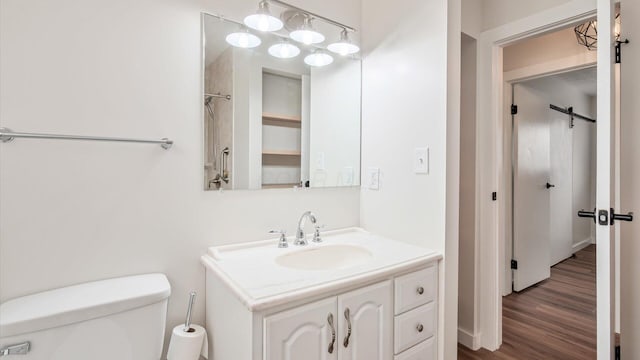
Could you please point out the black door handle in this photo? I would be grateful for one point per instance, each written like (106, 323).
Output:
(549, 186)
(587, 214)
(621, 217)
(603, 213)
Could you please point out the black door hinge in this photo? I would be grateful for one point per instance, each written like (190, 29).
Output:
(514, 264)
(619, 50)
(514, 109)
(494, 196)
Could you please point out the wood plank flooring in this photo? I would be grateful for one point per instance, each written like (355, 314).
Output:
(555, 319)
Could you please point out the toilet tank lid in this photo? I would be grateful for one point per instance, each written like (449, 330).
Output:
(81, 302)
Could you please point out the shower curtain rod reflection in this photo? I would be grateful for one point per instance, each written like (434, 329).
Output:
(219, 96)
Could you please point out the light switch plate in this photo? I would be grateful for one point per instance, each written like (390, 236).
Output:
(373, 178)
(421, 161)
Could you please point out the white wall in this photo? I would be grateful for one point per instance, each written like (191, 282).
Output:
(405, 107)
(500, 12)
(467, 295)
(79, 211)
(548, 49)
(472, 11)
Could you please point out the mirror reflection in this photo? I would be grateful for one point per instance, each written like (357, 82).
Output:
(277, 113)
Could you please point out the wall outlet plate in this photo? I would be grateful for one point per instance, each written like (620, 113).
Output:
(373, 178)
(320, 165)
(421, 161)
(347, 176)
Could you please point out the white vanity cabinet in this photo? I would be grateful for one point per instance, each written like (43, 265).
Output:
(306, 332)
(352, 326)
(386, 308)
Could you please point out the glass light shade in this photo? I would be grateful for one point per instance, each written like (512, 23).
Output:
(284, 50)
(344, 46)
(318, 58)
(243, 39)
(307, 37)
(263, 20)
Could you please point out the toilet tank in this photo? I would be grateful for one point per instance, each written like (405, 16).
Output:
(122, 318)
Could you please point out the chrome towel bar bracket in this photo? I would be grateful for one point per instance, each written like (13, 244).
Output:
(7, 135)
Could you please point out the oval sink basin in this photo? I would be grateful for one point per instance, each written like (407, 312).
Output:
(328, 257)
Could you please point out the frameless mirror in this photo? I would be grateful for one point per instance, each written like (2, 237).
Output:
(274, 122)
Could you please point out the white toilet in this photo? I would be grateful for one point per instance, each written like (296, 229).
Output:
(115, 319)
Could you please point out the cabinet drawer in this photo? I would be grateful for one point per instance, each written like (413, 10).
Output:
(414, 327)
(426, 350)
(415, 289)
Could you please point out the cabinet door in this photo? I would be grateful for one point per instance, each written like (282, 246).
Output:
(307, 332)
(369, 314)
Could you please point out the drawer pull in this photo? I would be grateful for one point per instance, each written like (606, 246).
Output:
(420, 290)
(333, 333)
(348, 318)
(419, 328)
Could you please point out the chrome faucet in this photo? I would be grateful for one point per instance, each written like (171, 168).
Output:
(300, 236)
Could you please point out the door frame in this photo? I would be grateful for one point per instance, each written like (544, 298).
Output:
(491, 215)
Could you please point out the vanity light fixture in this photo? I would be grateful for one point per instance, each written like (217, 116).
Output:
(318, 58)
(344, 46)
(263, 20)
(243, 39)
(306, 34)
(284, 50)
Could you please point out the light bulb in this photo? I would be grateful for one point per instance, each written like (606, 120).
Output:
(284, 50)
(306, 34)
(318, 58)
(243, 39)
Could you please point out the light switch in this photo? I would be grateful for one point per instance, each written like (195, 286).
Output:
(421, 161)
(373, 178)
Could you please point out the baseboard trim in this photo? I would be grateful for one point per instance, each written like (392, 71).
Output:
(582, 244)
(469, 340)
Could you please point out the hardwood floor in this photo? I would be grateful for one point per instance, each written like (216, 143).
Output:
(555, 319)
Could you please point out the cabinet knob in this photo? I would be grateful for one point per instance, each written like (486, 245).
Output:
(420, 290)
(420, 328)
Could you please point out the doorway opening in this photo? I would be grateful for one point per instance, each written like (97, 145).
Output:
(553, 169)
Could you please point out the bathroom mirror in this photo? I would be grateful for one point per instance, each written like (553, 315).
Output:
(272, 122)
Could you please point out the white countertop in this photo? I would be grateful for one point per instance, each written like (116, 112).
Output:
(252, 274)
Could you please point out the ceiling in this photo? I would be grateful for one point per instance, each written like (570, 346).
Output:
(585, 80)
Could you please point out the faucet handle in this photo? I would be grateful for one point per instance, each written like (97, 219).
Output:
(316, 235)
(283, 238)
